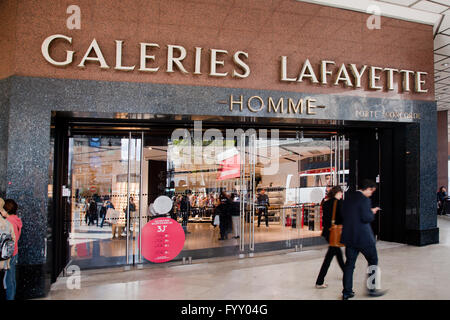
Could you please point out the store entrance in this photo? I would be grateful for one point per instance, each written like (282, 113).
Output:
(273, 179)
(273, 183)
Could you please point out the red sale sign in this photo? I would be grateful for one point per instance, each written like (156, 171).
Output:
(162, 240)
(230, 168)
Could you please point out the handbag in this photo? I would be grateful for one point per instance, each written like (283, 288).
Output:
(216, 220)
(335, 230)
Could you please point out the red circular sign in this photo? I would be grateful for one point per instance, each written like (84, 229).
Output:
(92, 189)
(162, 240)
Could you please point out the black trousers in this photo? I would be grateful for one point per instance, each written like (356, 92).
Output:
(351, 254)
(92, 219)
(185, 216)
(440, 207)
(332, 251)
(224, 226)
(2, 290)
(263, 211)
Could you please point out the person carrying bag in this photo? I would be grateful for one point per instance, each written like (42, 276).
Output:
(332, 228)
(335, 229)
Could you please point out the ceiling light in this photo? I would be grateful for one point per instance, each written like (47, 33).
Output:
(149, 148)
(445, 64)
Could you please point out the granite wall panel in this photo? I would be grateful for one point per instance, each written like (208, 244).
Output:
(421, 168)
(428, 170)
(412, 163)
(4, 119)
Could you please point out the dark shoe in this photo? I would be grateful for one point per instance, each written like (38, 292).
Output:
(348, 296)
(376, 293)
(221, 239)
(237, 237)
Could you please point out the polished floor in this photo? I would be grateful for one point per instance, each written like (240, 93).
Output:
(408, 272)
(95, 243)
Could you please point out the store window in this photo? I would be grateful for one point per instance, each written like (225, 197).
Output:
(112, 192)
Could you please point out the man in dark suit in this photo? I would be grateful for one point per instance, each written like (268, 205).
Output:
(357, 235)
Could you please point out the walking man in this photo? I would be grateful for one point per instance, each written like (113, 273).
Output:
(185, 208)
(357, 236)
(262, 202)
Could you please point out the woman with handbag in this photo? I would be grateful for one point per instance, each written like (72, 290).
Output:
(332, 225)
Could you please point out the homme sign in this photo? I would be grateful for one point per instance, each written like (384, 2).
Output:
(176, 56)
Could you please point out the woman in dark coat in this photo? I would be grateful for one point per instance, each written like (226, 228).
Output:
(224, 212)
(441, 197)
(334, 195)
(92, 212)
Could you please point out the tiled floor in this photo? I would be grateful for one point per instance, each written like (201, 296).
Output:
(408, 272)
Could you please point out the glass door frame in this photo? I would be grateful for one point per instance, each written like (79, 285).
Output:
(337, 147)
(131, 257)
(248, 153)
(247, 190)
(134, 257)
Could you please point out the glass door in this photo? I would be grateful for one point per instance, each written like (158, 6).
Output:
(271, 205)
(246, 187)
(283, 183)
(104, 179)
(196, 170)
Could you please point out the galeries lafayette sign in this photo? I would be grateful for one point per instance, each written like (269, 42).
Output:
(350, 75)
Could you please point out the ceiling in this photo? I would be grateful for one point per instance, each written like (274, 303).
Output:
(433, 12)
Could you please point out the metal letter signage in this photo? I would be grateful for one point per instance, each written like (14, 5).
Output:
(322, 73)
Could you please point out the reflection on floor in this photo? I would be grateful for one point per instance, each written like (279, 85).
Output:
(408, 272)
(204, 235)
(95, 243)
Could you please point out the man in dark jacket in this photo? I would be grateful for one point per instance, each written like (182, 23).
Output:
(92, 212)
(224, 212)
(357, 234)
(185, 208)
(262, 202)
